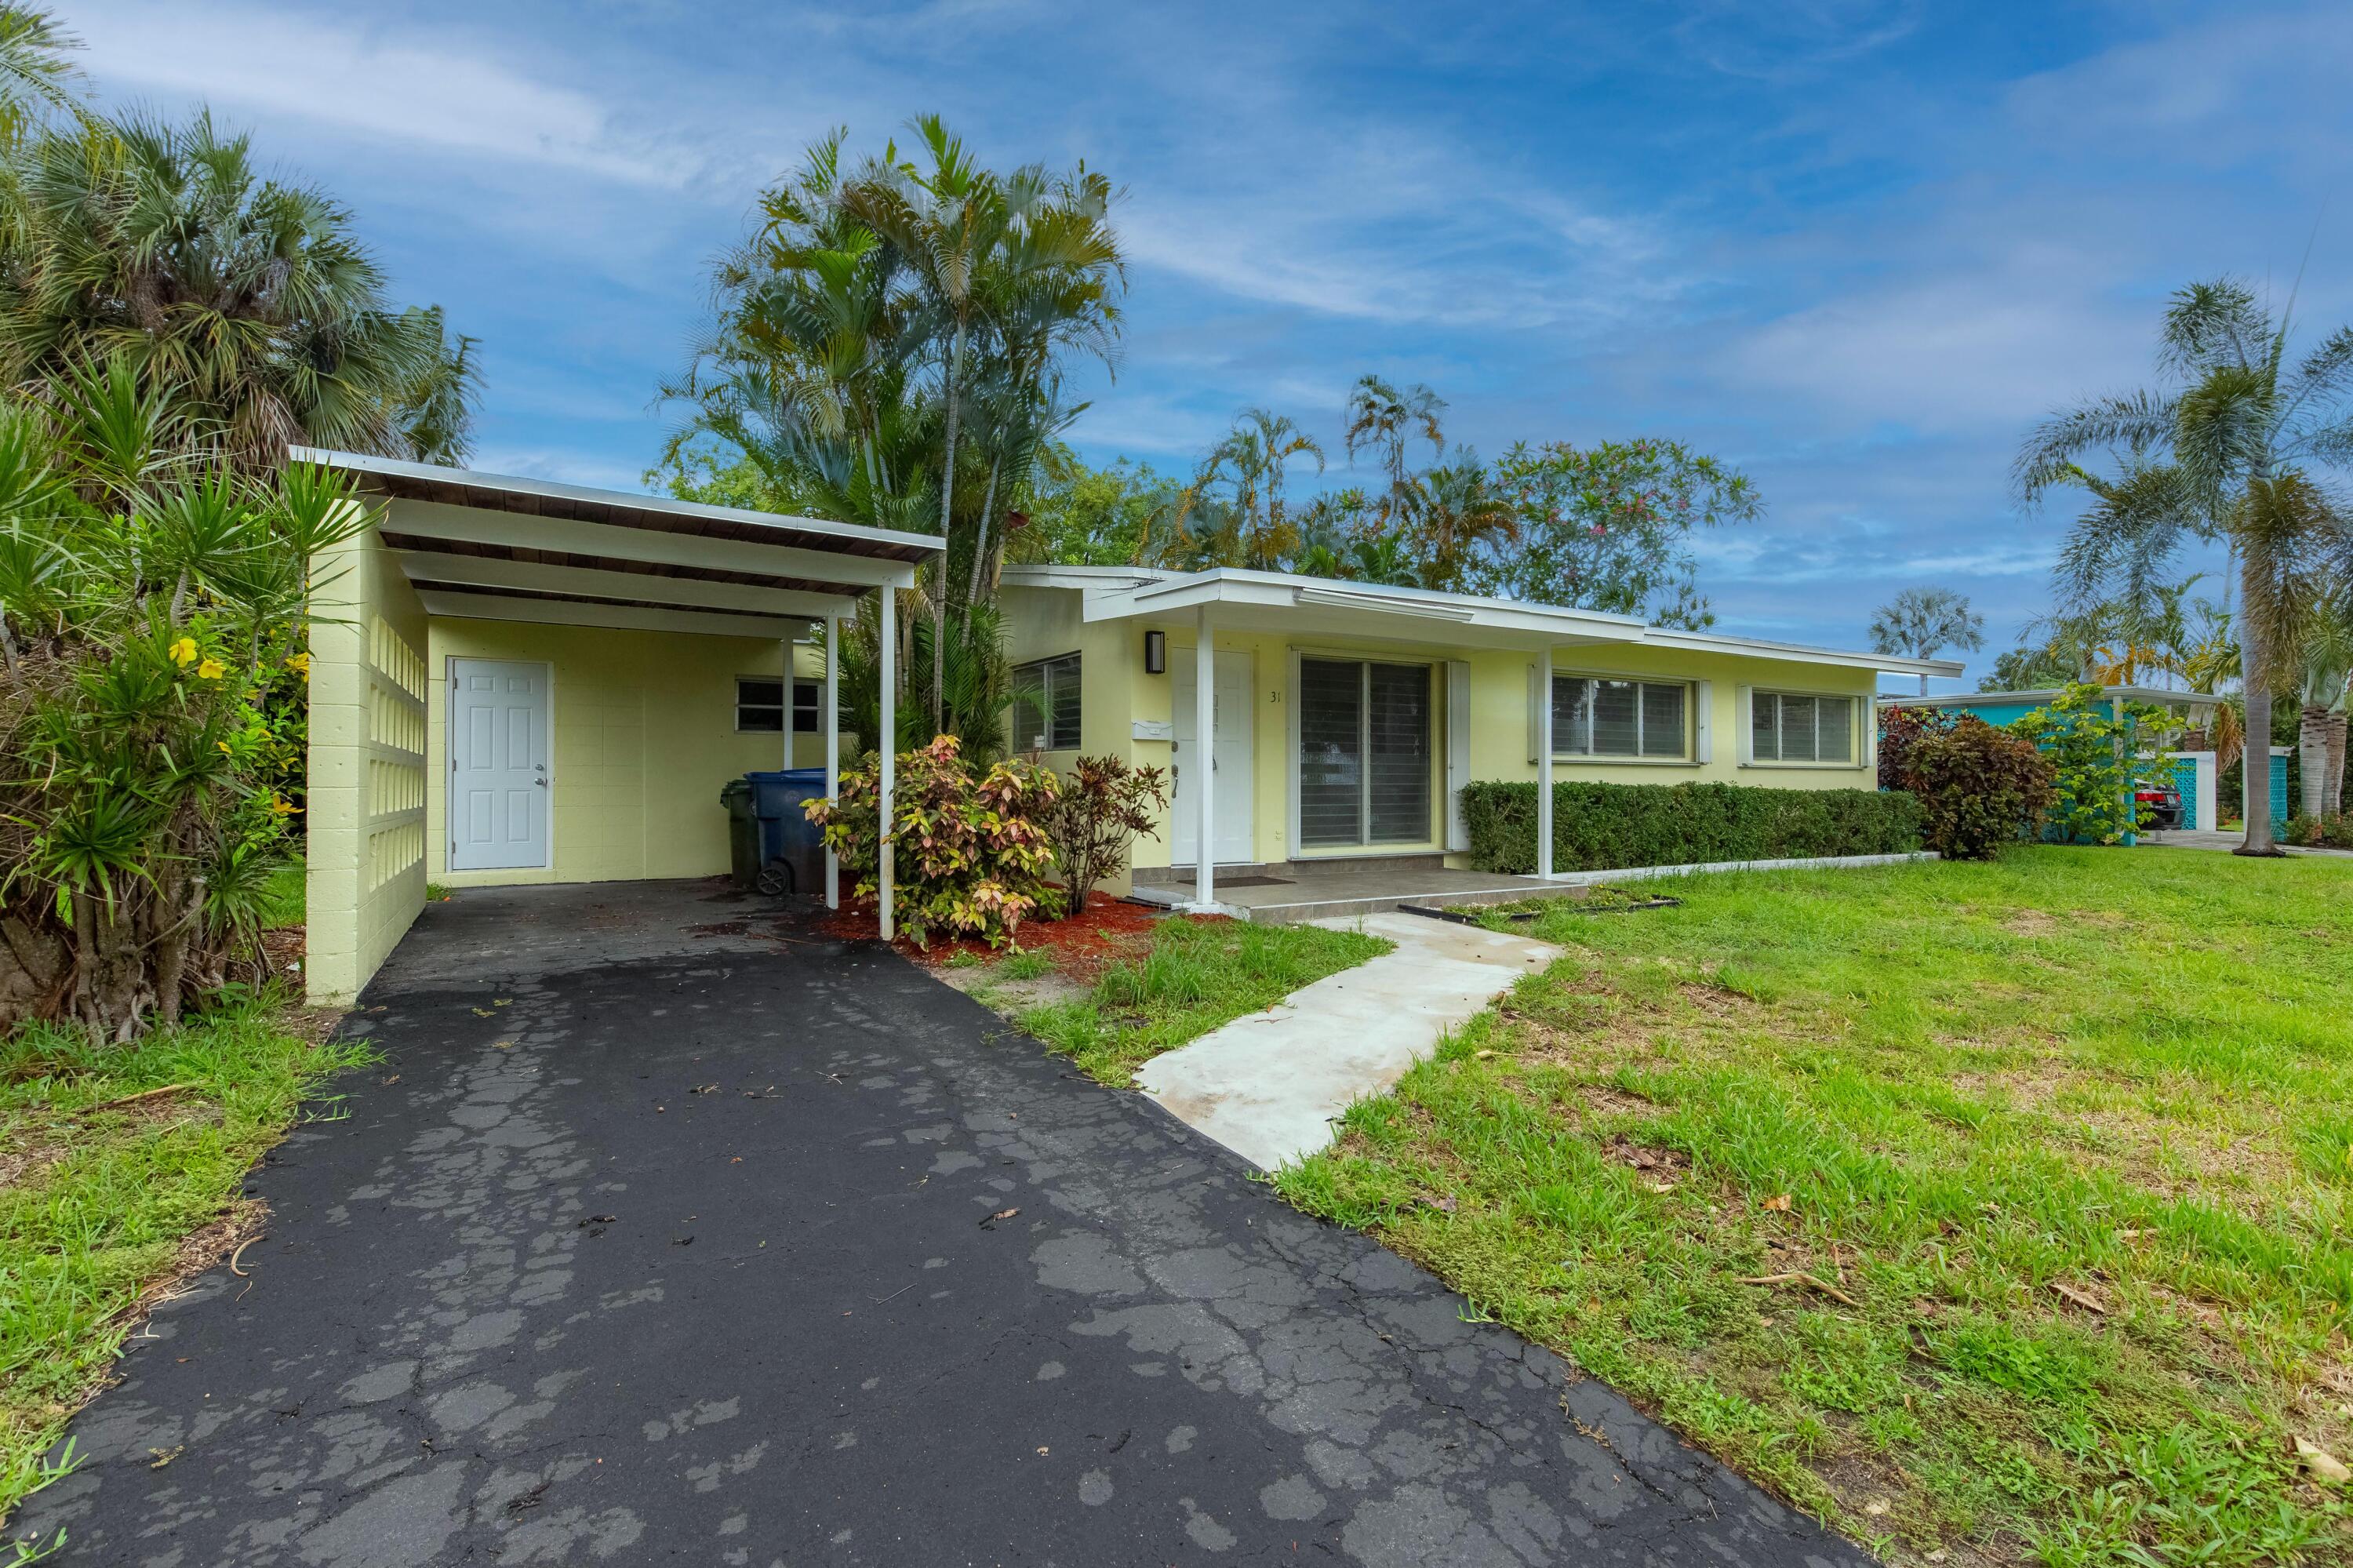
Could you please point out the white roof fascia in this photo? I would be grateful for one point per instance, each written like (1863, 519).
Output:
(1119, 601)
(552, 490)
(1082, 578)
(1800, 654)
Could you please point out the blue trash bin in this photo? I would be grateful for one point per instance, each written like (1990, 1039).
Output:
(792, 851)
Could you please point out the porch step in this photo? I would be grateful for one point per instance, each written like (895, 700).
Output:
(1328, 903)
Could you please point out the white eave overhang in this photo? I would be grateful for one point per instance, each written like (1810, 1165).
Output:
(1310, 607)
(500, 546)
(1277, 601)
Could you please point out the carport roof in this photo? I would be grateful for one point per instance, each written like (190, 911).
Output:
(499, 546)
(581, 503)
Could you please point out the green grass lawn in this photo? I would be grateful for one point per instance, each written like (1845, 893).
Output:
(101, 1200)
(1195, 975)
(1999, 1210)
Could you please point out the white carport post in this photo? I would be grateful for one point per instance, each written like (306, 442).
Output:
(1204, 761)
(888, 744)
(832, 700)
(1544, 764)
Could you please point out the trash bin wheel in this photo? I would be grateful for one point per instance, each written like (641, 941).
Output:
(777, 878)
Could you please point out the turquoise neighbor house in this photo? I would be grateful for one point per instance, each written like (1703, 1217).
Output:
(2194, 771)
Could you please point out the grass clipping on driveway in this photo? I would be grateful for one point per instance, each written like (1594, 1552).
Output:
(1192, 977)
(1997, 1211)
(109, 1191)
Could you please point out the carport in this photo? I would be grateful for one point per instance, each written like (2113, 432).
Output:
(516, 681)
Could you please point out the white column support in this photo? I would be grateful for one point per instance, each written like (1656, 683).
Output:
(1204, 762)
(887, 746)
(831, 723)
(1544, 764)
(785, 693)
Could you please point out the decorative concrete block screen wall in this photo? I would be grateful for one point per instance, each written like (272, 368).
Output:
(367, 880)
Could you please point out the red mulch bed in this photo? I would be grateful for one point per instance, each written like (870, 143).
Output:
(1082, 946)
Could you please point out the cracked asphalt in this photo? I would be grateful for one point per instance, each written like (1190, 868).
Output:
(664, 1233)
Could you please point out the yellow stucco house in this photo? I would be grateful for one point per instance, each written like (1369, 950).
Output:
(1345, 717)
(514, 681)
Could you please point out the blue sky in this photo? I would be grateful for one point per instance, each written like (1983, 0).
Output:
(1854, 247)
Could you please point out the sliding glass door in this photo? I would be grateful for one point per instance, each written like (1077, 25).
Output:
(1365, 753)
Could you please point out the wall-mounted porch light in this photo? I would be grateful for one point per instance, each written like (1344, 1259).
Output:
(1155, 652)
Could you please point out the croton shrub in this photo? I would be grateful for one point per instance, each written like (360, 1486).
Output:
(971, 851)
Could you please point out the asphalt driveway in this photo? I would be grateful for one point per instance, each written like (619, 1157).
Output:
(666, 1235)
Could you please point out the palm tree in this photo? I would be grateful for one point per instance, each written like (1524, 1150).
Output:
(2238, 429)
(252, 301)
(37, 82)
(2326, 658)
(1453, 513)
(1385, 418)
(887, 348)
(1238, 490)
(1922, 622)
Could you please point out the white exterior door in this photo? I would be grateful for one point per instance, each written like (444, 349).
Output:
(499, 785)
(1229, 758)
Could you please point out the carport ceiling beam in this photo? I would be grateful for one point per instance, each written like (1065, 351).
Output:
(686, 593)
(650, 546)
(618, 617)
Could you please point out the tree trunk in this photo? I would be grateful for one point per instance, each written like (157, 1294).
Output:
(1924, 682)
(947, 503)
(2332, 778)
(2254, 663)
(36, 970)
(2312, 758)
(980, 547)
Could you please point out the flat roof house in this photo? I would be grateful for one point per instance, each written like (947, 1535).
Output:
(516, 681)
(1345, 717)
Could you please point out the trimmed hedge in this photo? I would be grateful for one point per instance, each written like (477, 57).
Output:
(1609, 827)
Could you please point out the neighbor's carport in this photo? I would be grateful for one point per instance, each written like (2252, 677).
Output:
(623, 624)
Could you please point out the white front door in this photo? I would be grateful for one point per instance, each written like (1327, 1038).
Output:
(1229, 759)
(497, 765)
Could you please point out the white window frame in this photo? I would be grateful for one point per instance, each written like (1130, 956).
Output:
(782, 707)
(1685, 758)
(1858, 750)
(1041, 671)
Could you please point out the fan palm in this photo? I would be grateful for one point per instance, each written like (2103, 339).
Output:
(2238, 432)
(250, 300)
(37, 82)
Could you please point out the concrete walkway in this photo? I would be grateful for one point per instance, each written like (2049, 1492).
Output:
(1268, 1085)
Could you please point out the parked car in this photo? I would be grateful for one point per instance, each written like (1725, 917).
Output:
(2160, 805)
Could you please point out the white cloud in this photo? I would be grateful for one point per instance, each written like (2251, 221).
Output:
(1980, 350)
(364, 80)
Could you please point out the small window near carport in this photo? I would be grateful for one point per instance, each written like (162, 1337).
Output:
(759, 704)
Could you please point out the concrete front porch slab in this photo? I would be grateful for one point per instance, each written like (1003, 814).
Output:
(1268, 1085)
(1349, 889)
